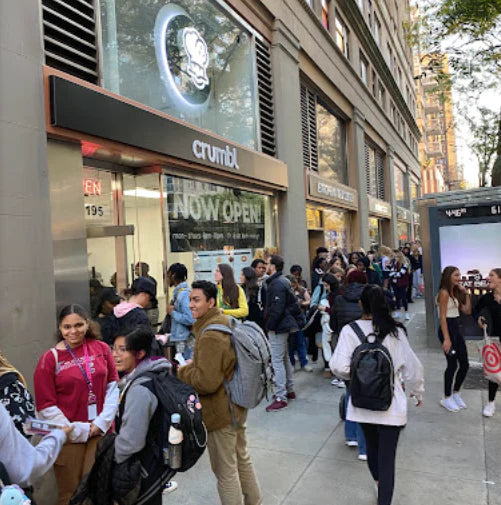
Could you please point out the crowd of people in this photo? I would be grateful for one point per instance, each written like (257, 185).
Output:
(354, 300)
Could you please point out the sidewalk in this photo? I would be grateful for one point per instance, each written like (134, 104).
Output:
(301, 459)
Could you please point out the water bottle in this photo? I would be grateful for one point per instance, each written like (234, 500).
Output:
(175, 442)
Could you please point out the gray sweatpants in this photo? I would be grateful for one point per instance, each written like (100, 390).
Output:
(281, 364)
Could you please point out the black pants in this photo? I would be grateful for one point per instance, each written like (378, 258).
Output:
(381, 452)
(409, 287)
(401, 296)
(493, 388)
(457, 363)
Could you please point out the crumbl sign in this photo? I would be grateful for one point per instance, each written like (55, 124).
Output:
(335, 192)
(226, 157)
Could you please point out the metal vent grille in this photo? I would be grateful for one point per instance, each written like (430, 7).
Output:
(265, 91)
(309, 128)
(374, 172)
(380, 174)
(69, 32)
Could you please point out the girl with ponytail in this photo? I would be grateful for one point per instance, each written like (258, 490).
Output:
(381, 428)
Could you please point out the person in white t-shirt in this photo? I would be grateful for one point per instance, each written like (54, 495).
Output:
(381, 428)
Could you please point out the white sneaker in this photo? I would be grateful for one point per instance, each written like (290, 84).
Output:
(351, 443)
(407, 316)
(307, 368)
(489, 409)
(396, 314)
(362, 457)
(458, 400)
(341, 384)
(170, 486)
(335, 381)
(449, 404)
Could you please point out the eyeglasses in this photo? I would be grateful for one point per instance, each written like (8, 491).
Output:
(119, 350)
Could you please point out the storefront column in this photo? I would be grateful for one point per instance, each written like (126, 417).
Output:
(391, 234)
(27, 308)
(293, 236)
(363, 204)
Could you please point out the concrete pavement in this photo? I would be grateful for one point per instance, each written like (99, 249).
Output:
(301, 459)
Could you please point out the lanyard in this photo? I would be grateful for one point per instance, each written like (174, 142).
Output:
(86, 372)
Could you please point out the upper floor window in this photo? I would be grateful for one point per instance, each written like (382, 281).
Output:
(341, 36)
(381, 95)
(325, 14)
(374, 84)
(360, 4)
(389, 56)
(377, 30)
(369, 12)
(310, 3)
(364, 67)
(399, 77)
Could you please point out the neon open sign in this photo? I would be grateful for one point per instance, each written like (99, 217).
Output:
(92, 187)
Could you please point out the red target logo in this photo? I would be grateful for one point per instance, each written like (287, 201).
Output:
(491, 356)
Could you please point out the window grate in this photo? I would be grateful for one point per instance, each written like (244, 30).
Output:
(266, 103)
(69, 32)
(374, 172)
(309, 128)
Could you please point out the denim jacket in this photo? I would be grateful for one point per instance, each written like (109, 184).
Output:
(182, 319)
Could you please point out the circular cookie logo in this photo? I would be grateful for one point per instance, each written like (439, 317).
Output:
(183, 58)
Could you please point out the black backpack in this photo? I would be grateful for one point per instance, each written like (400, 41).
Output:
(371, 373)
(174, 396)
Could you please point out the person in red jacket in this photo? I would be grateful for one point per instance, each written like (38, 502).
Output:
(76, 382)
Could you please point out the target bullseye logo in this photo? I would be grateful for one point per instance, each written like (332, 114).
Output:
(491, 357)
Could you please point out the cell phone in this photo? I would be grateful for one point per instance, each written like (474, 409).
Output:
(34, 426)
(180, 359)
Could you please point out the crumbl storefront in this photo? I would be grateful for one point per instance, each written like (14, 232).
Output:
(162, 163)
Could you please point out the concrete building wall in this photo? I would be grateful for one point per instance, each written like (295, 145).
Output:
(27, 302)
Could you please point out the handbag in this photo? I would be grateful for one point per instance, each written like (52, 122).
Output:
(491, 358)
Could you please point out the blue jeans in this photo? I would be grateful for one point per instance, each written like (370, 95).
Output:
(352, 430)
(297, 342)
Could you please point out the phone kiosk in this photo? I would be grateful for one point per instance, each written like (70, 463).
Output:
(460, 228)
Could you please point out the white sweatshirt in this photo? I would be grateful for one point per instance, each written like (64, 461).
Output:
(23, 462)
(404, 360)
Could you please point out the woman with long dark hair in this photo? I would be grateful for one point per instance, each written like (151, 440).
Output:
(452, 298)
(76, 382)
(231, 297)
(381, 428)
(489, 317)
(255, 295)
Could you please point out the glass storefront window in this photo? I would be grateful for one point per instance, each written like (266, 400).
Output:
(403, 230)
(98, 197)
(207, 224)
(374, 232)
(331, 143)
(400, 187)
(313, 219)
(336, 229)
(190, 59)
(414, 194)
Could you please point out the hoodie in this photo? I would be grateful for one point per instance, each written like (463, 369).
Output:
(129, 316)
(131, 437)
(346, 307)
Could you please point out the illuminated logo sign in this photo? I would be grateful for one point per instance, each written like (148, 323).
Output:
(92, 187)
(335, 192)
(226, 157)
(183, 58)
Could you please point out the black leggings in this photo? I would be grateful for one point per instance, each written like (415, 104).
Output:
(493, 388)
(381, 452)
(401, 296)
(457, 364)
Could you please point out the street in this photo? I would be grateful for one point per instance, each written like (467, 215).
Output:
(301, 459)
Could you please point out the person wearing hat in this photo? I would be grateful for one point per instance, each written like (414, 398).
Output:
(142, 269)
(103, 315)
(131, 313)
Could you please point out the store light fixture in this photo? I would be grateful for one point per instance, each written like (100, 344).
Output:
(144, 193)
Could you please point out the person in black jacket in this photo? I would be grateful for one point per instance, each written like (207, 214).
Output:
(281, 306)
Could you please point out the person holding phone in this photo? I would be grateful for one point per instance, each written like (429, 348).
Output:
(452, 298)
(76, 382)
(489, 318)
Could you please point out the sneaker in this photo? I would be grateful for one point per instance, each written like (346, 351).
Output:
(335, 381)
(307, 368)
(489, 409)
(291, 395)
(396, 314)
(449, 404)
(459, 401)
(407, 316)
(341, 384)
(276, 405)
(362, 457)
(351, 443)
(170, 486)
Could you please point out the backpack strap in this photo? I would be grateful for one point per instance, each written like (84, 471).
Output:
(360, 334)
(217, 327)
(54, 353)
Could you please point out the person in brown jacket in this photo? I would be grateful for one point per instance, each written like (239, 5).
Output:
(214, 361)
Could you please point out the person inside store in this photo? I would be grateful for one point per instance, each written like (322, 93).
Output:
(142, 269)
(381, 428)
(488, 314)
(231, 298)
(76, 382)
(451, 299)
(255, 295)
(104, 313)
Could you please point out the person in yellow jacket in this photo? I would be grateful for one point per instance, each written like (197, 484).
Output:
(231, 299)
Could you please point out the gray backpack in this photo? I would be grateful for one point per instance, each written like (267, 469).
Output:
(253, 374)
